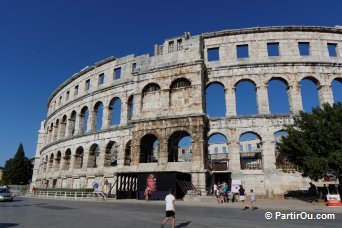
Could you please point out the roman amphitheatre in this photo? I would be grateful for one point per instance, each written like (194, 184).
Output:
(123, 120)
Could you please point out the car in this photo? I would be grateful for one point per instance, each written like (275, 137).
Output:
(5, 195)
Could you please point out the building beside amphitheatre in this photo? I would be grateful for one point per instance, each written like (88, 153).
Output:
(120, 122)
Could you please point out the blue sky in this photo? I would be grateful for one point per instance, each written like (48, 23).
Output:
(43, 43)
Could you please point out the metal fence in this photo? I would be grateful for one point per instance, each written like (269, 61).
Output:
(67, 195)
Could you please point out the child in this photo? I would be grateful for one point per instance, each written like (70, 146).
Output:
(252, 199)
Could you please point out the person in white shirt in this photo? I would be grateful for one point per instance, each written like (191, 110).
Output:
(170, 209)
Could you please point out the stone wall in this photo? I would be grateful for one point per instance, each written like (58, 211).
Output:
(167, 92)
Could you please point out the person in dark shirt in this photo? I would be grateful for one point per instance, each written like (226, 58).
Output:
(242, 196)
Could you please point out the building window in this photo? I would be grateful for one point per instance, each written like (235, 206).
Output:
(171, 46)
(179, 45)
(87, 85)
(215, 150)
(332, 50)
(76, 90)
(224, 149)
(304, 48)
(273, 49)
(250, 148)
(241, 147)
(117, 73)
(242, 51)
(213, 54)
(60, 101)
(67, 95)
(101, 79)
(134, 67)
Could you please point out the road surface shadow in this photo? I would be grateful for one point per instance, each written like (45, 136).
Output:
(184, 224)
(5, 225)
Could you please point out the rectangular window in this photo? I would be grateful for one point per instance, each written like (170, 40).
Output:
(216, 150)
(213, 54)
(117, 73)
(60, 101)
(250, 147)
(241, 147)
(67, 95)
(224, 149)
(76, 90)
(332, 50)
(242, 51)
(87, 85)
(134, 67)
(101, 79)
(179, 45)
(273, 49)
(304, 48)
(171, 46)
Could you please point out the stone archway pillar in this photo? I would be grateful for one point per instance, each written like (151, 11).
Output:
(295, 99)
(262, 100)
(230, 101)
(325, 94)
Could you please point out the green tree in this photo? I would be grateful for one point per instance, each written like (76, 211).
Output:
(18, 170)
(314, 142)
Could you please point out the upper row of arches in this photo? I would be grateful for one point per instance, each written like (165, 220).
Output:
(277, 96)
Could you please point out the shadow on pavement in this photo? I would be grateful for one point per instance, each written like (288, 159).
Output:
(184, 224)
(5, 225)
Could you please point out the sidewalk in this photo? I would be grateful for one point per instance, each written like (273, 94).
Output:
(265, 204)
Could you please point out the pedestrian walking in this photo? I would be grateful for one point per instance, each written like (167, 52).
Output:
(215, 189)
(242, 196)
(147, 193)
(252, 199)
(170, 211)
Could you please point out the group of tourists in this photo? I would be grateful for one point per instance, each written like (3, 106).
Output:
(223, 195)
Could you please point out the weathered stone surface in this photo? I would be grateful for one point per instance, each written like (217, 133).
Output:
(162, 107)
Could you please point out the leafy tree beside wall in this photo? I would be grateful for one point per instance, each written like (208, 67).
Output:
(314, 142)
(18, 170)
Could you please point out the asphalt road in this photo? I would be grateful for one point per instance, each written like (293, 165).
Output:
(42, 213)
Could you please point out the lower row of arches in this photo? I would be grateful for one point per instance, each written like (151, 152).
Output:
(179, 149)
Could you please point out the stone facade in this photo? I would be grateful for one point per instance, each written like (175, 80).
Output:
(162, 99)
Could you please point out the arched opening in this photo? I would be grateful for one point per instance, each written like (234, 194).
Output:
(63, 127)
(149, 149)
(246, 99)
(130, 108)
(308, 88)
(45, 161)
(180, 93)
(111, 154)
(58, 160)
(115, 111)
(180, 147)
(151, 88)
(51, 161)
(94, 153)
(336, 86)
(55, 134)
(79, 158)
(67, 159)
(215, 101)
(150, 97)
(218, 152)
(98, 113)
(250, 151)
(72, 123)
(281, 161)
(278, 96)
(84, 115)
(127, 161)
(51, 133)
